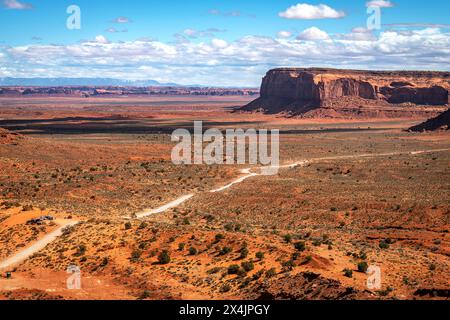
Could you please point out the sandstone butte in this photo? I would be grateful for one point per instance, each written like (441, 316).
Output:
(322, 92)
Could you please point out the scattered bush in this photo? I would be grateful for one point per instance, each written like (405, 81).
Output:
(219, 237)
(348, 273)
(243, 253)
(260, 255)
(136, 256)
(300, 246)
(143, 225)
(225, 288)
(128, 225)
(363, 266)
(164, 257)
(225, 250)
(192, 251)
(384, 245)
(271, 273)
(287, 238)
(248, 266)
(233, 269)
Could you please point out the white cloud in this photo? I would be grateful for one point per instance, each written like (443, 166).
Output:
(359, 34)
(219, 43)
(309, 12)
(17, 5)
(101, 39)
(122, 20)
(114, 30)
(312, 34)
(380, 3)
(284, 34)
(235, 63)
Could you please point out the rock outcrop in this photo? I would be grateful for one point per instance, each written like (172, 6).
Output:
(441, 122)
(304, 91)
(8, 137)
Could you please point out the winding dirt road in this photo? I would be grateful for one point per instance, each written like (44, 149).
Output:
(249, 174)
(47, 239)
(21, 256)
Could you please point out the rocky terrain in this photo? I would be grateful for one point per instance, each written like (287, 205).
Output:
(8, 137)
(369, 193)
(441, 122)
(352, 93)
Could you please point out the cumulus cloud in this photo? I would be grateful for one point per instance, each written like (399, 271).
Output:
(101, 39)
(307, 11)
(219, 43)
(229, 63)
(359, 34)
(312, 34)
(16, 5)
(284, 34)
(380, 3)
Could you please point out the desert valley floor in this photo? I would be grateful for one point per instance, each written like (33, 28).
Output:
(363, 192)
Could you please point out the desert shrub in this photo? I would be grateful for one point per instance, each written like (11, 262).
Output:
(136, 255)
(233, 269)
(145, 295)
(81, 250)
(300, 246)
(225, 250)
(384, 245)
(219, 237)
(287, 238)
(214, 270)
(362, 255)
(432, 267)
(143, 245)
(225, 288)
(307, 260)
(248, 266)
(143, 225)
(181, 246)
(363, 266)
(192, 251)
(243, 253)
(271, 273)
(288, 265)
(164, 257)
(259, 255)
(348, 273)
(128, 225)
(258, 275)
(104, 262)
(228, 227)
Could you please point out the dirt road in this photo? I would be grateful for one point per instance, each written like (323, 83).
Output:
(37, 246)
(249, 174)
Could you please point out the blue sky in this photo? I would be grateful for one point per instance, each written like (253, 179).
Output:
(212, 42)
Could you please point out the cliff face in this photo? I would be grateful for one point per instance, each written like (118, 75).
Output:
(441, 122)
(300, 91)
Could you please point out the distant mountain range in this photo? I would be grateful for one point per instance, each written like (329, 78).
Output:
(57, 82)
